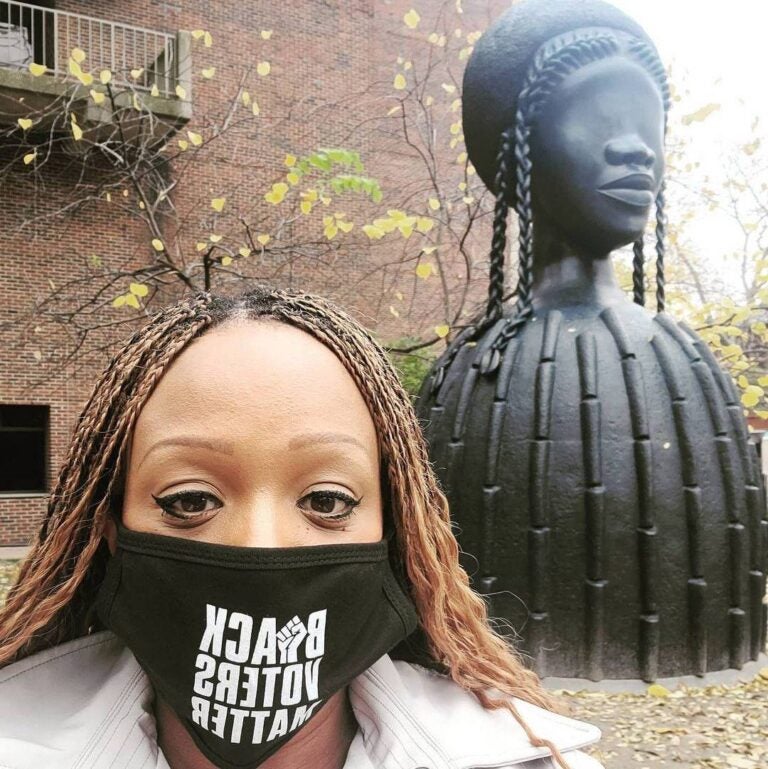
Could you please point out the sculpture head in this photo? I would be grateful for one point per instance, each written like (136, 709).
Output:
(564, 109)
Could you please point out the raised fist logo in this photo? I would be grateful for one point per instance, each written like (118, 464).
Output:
(289, 639)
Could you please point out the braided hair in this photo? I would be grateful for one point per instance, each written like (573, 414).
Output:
(553, 61)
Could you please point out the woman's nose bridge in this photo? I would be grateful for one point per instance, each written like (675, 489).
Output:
(262, 523)
(629, 148)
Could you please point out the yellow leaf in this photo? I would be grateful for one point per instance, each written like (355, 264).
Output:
(306, 207)
(197, 33)
(407, 65)
(442, 330)
(434, 204)
(330, 231)
(449, 87)
(181, 92)
(429, 250)
(429, 101)
(118, 301)
(108, 196)
(97, 96)
(456, 127)
(77, 132)
(246, 97)
(157, 244)
(373, 232)
(139, 289)
(136, 73)
(424, 224)
(155, 90)
(74, 68)
(24, 123)
(264, 239)
(290, 160)
(751, 396)
(763, 381)
(183, 144)
(399, 83)
(131, 300)
(701, 114)
(412, 19)
(424, 270)
(207, 39)
(743, 381)
(29, 157)
(214, 238)
(136, 103)
(37, 69)
(394, 109)
(455, 104)
(105, 76)
(292, 177)
(244, 251)
(325, 200)
(141, 205)
(225, 260)
(78, 54)
(345, 226)
(433, 37)
(217, 204)
(406, 229)
(399, 296)
(208, 72)
(201, 246)
(196, 139)
(657, 690)
(266, 34)
(263, 68)
(255, 108)
(462, 158)
(394, 311)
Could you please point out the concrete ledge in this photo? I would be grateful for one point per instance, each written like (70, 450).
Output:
(13, 553)
(633, 686)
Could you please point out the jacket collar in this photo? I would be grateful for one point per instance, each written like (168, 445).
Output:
(83, 703)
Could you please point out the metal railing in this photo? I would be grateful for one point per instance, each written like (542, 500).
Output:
(46, 36)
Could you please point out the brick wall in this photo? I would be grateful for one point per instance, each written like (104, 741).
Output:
(324, 55)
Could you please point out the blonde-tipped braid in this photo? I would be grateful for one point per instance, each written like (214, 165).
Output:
(52, 601)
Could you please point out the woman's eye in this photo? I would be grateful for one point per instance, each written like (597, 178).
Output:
(192, 504)
(330, 505)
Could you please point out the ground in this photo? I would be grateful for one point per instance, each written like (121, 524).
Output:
(716, 727)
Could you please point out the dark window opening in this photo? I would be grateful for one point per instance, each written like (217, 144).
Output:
(24, 448)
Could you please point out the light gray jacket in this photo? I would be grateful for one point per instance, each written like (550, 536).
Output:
(87, 704)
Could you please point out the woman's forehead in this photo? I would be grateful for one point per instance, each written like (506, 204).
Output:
(262, 376)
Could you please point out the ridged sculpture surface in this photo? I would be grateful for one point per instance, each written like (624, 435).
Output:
(595, 454)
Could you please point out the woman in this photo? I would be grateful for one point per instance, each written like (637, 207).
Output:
(247, 562)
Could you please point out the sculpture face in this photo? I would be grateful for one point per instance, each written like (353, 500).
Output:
(597, 150)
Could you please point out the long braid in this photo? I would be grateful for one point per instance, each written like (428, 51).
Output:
(660, 231)
(638, 272)
(499, 241)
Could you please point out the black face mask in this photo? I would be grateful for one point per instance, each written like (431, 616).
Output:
(246, 644)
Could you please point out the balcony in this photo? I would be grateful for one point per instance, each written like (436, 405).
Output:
(151, 71)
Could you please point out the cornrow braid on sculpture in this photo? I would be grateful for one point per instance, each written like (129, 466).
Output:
(53, 600)
(552, 63)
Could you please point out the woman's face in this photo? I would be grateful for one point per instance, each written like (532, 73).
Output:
(255, 436)
(597, 151)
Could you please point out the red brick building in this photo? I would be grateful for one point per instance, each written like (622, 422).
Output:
(331, 68)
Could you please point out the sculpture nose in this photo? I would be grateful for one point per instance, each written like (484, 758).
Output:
(629, 150)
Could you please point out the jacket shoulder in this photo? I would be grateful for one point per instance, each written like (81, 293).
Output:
(62, 706)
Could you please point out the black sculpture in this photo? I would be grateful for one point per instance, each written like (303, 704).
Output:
(595, 455)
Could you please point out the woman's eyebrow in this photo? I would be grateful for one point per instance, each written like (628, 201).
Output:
(306, 439)
(224, 447)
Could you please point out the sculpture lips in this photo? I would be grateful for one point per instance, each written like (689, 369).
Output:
(634, 189)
